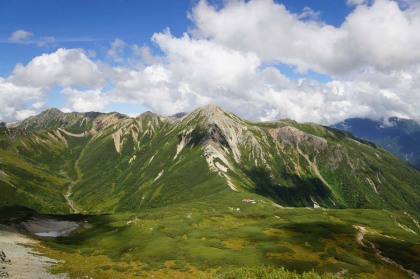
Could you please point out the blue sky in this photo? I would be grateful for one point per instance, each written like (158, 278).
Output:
(309, 60)
(94, 24)
(84, 24)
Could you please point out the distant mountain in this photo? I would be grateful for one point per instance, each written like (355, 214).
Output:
(179, 115)
(399, 136)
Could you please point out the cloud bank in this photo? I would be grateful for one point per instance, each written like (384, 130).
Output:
(233, 56)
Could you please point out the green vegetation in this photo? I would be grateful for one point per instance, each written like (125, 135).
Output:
(397, 135)
(211, 195)
(267, 272)
(213, 239)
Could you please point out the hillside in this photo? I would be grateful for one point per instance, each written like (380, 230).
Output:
(399, 136)
(96, 163)
(208, 195)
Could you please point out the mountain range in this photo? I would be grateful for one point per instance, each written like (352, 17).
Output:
(208, 195)
(397, 135)
(96, 162)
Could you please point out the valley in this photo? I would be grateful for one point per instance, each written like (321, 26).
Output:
(209, 194)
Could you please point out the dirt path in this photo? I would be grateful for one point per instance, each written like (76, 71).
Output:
(360, 237)
(18, 260)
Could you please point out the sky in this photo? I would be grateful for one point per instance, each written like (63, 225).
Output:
(316, 61)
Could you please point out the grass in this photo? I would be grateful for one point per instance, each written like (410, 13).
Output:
(188, 222)
(199, 239)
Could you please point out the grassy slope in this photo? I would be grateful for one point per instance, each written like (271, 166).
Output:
(193, 239)
(36, 171)
(144, 173)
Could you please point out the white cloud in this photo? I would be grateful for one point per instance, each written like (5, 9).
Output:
(15, 100)
(23, 114)
(200, 71)
(145, 54)
(84, 101)
(20, 36)
(65, 67)
(309, 14)
(46, 41)
(38, 105)
(116, 51)
(194, 72)
(383, 36)
(203, 61)
(380, 35)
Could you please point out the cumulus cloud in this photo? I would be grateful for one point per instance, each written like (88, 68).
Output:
(231, 57)
(65, 67)
(309, 14)
(203, 61)
(20, 36)
(116, 50)
(25, 37)
(145, 54)
(380, 35)
(84, 100)
(199, 71)
(15, 99)
(192, 74)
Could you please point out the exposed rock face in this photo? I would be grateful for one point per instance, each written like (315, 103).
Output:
(115, 163)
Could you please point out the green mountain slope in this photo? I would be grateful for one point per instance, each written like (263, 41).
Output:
(210, 194)
(96, 163)
(399, 136)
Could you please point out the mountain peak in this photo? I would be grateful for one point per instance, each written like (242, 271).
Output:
(52, 112)
(210, 112)
(210, 108)
(148, 113)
